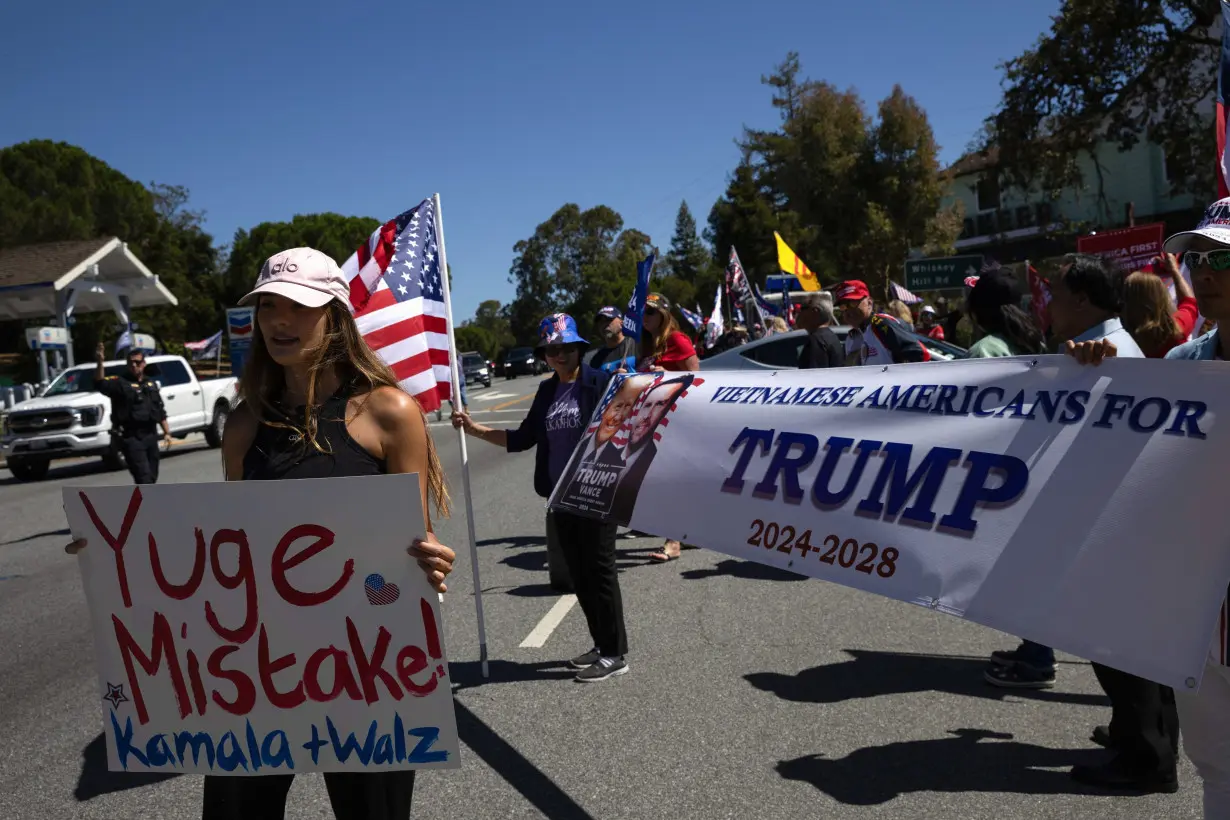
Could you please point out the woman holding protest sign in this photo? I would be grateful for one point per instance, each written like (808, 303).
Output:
(555, 426)
(319, 403)
(665, 347)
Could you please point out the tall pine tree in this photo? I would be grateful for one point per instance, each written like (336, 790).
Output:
(687, 259)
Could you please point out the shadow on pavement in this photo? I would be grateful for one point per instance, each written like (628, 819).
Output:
(36, 535)
(95, 780)
(536, 560)
(515, 541)
(869, 674)
(499, 754)
(469, 674)
(963, 763)
(504, 759)
(743, 569)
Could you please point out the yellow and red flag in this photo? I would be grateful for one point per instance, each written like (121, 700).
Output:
(790, 262)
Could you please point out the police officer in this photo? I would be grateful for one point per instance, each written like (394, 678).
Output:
(136, 411)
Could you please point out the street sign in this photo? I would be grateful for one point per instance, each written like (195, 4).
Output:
(944, 273)
(239, 324)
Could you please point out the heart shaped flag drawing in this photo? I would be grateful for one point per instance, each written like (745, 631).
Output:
(380, 592)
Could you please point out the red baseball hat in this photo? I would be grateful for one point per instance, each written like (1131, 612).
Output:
(851, 290)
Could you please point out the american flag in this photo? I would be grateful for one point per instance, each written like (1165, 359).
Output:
(904, 295)
(1223, 88)
(397, 292)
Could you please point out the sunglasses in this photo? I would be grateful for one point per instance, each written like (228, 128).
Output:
(1218, 260)
(554, 351)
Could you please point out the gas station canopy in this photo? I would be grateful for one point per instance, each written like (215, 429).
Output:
(56, 279)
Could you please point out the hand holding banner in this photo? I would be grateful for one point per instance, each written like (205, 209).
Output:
(1017, 493)
(237, 634)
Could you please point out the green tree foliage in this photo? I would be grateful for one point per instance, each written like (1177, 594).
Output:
(849, 192)
(53, 191)
(330, 233)
(489, 332)
(1110, 70)
(576, 262)
(745, 218)
(688, 258)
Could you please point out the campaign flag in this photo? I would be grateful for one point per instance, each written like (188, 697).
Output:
(1223, 87)
(790, 262)
(694, 318)
(766, 307)
(636, 305)
(205, 347)
(397, 292)
(1005, 491)
(736, 279)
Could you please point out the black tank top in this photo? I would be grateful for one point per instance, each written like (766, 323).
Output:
(277, 452)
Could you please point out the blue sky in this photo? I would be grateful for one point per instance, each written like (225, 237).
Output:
(508, 110)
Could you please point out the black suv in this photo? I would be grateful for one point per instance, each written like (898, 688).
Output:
(521, 361)
(475, 370)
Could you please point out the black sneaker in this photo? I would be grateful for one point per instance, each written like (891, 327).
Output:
(1008, 657)
(1020, 676)
(588, 659)
(602, 669)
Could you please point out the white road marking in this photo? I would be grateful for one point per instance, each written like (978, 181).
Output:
(547, 625)
(493, 396)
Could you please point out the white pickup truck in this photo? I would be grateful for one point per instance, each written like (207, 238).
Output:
(70, 419)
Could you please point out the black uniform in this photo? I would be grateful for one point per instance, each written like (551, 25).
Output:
(136, 413)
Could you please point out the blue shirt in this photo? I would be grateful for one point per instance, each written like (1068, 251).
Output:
(1113, 331)
(1203, 348)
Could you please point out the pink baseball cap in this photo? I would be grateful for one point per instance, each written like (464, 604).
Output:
(303, 275)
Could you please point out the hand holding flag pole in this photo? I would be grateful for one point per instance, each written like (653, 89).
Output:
(454, 377)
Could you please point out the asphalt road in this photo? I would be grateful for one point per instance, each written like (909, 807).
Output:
(752, 693)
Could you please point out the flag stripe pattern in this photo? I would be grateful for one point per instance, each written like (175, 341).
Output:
(397, 292)
(1223, 88)
(904, 295)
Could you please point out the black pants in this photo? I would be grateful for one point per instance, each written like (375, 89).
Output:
(589, 552)
(354, 796)
(1144, 722)
(140, 450)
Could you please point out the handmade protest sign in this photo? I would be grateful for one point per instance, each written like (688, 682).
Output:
(1075, 506)
(264, 627)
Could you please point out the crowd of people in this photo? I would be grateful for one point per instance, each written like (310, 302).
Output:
(317, 402)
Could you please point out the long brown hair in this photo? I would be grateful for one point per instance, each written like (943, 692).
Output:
(345, 352)
(1147, 314)
(653, 345)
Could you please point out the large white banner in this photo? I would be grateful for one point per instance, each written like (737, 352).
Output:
(1080, 507)
(264, 627)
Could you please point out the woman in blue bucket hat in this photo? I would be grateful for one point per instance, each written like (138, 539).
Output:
(555, 424)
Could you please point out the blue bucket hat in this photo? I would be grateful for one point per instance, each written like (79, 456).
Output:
(559, 329)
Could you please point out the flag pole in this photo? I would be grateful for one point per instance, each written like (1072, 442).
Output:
(454, 375)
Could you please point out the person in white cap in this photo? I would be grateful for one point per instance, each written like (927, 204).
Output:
(318, 403)
(1205, 715)
(928, 323)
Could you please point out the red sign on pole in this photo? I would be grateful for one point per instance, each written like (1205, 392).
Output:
(1132, 249)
